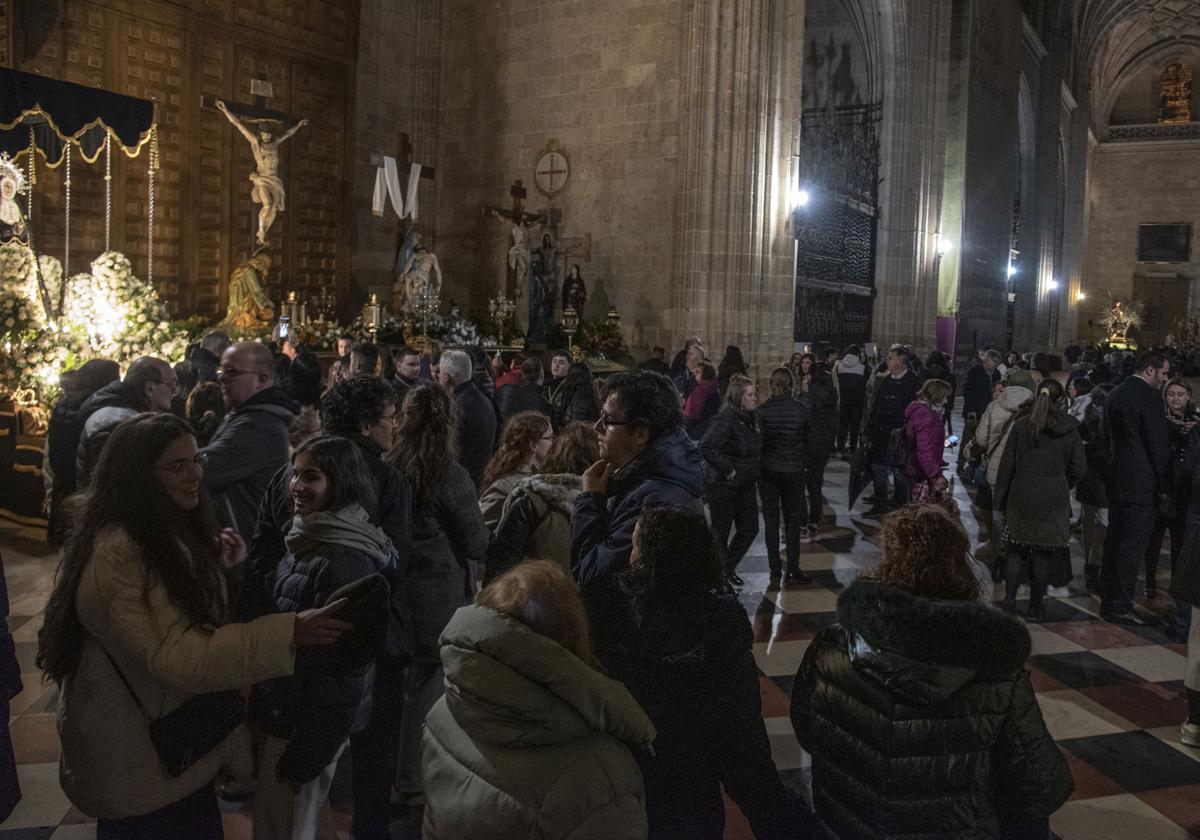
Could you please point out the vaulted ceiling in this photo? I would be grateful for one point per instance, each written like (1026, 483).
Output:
(1115, 39)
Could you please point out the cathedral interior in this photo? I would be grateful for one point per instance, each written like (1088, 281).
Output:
(780, 175)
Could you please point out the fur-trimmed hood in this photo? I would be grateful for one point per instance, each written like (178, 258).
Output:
(557, 490)
(924, 650)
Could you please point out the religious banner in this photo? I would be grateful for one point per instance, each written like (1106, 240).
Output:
(387, 183)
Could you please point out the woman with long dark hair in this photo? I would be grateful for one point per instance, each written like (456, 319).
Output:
(524, 444)
(1042, 461)
(333, 551)
(917, 707)
(684, 649)
(732, 364)
(579, 396)
(136, 626)
(732, 449)
(449, 539)
(1092, 490)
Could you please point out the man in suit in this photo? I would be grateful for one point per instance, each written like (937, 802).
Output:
(1136, 425)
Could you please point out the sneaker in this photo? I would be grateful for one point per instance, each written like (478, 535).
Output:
(805, 536)
(734, 579)
(1058, 592)
(1189, 734)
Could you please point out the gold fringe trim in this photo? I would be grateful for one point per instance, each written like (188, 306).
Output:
(38, 111)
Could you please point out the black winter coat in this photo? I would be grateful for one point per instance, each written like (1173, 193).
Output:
(476, 430)
(977, 390)
(690, 666)
(329, 693)
(104, 409)
(922, 721)
(1091, 489)
(304, 379)
(733, 443)
(205, 363)
(62, 444)
(513, 399)
(1185, 579)
(784, 421)
(1135, 423)
(448, 537)
(889, 398)
(822, 402)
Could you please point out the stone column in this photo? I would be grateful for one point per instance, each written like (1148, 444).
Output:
(916, 56)
(740, 125)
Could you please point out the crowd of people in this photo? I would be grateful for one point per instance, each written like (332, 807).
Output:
(508, 601)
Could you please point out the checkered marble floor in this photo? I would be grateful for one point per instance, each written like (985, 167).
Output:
(1113, 697)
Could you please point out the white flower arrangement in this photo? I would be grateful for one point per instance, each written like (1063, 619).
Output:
(108, 313)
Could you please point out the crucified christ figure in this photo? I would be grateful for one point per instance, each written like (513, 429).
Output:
(267, 186)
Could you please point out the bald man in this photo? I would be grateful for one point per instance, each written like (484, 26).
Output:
(252, 442)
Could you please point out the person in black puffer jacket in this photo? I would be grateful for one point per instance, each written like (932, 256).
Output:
(822, 402)
(62, 438)
(684, 650)
(917, 707)
(732, 449)
(1091, 492)
(309, 716)
(785, 429)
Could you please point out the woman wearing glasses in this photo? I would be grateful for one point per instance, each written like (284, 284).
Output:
(136, 627)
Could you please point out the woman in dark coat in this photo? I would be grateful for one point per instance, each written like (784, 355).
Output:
(62, 438)
(1092, 491)
(732, 449)
(448, 540)
(684, 650)
(822, 401)
(785, 427)
(732, 364)
(580, 401)
(1185, 589)
(917, 707)
(1043, 460)
(1181, 417)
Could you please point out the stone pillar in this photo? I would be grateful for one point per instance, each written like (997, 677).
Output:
(741, 98)
(916, 54)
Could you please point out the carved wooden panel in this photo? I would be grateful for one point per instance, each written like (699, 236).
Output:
(177, 51)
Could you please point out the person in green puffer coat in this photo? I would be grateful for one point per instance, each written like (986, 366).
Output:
(530, 740)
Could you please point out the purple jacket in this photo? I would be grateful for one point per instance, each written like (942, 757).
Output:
(924, 427)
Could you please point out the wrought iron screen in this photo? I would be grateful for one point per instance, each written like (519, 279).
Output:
(836, 231)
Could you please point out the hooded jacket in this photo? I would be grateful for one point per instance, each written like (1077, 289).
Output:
(996, 424)
(329, 696)
(98, 416)
(922, 721)
(535, 524)
(669, 471)
(1033, 485)
(851, 377)
(822, 402)
(247, 450)
(493, 498)
(924, 426)
(529, 741)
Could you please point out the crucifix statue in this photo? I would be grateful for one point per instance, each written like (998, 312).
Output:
(518, 254)
(264, 131)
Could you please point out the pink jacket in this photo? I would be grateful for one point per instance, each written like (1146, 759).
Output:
(924, 427)
(693, 409)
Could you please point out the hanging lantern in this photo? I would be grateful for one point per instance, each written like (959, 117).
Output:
(372, 316)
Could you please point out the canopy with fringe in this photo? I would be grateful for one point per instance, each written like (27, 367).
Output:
(59, 113)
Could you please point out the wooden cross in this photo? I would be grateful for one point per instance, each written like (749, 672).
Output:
(517, 214)
(258, 111)
(404, 162)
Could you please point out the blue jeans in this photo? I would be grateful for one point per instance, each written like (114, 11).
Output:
(879, 475)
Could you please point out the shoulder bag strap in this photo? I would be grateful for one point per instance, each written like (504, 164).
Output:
(1003, 436)
(128, 687)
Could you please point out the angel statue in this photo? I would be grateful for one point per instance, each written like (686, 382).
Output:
(266, 185)
(249, 306)
(421, 276)
(12, 183)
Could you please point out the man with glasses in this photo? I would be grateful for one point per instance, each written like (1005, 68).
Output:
(252, 442)
(362, 410)
(148, 385)
(646, 459)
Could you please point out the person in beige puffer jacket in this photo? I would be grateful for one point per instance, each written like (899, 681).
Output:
(994, 427)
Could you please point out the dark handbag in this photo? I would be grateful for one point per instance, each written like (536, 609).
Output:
(897, 448)
(184, 736)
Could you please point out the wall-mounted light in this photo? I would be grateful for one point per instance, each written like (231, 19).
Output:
(799, 197)
(943, 246)
(1052, 286)
(1081, 295)
(1012, 269)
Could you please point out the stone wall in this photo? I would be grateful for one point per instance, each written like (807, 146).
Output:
(1136, 183)
(603, 80)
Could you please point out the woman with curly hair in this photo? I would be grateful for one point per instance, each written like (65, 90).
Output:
(524, 444)
(917, 707)
(535, 520)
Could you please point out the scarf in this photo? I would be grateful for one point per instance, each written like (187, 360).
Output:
(348, 527)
